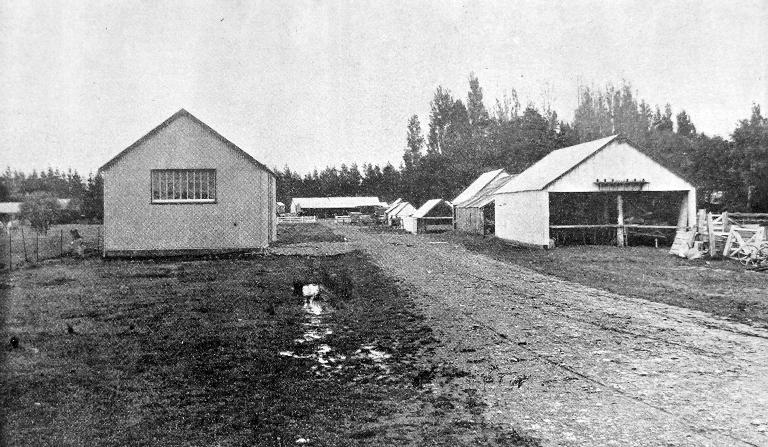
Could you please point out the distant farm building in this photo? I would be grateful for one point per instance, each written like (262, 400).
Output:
(335, 206)
(399, 213)
(474, 209)
(280, 207)
(184, 188)
(9, 211)
(392, 206)
(435, 215)
(595, 192)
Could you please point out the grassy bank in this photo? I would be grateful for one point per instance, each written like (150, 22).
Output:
(720, 287)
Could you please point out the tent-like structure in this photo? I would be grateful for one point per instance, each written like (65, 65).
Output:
(473, 209)
(587, 188)
(434, 215)
(401, 211)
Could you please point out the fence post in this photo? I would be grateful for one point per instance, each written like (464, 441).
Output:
(24, 244)
(61, 243)
(10, 252)
(37, 246)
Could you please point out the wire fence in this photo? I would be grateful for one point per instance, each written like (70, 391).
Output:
(23, 245)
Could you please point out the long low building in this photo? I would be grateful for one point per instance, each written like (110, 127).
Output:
(334, 206)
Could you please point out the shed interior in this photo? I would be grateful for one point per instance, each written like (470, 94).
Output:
(592, 218)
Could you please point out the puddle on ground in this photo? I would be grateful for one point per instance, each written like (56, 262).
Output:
(316, 329)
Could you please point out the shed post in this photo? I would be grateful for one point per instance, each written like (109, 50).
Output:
(620, 221)
(687, 216)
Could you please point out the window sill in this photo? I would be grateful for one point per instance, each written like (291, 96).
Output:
(183, 202)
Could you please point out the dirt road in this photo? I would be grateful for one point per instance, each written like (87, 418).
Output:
(575, 365)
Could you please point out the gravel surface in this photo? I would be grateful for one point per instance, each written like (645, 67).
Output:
(574, 365)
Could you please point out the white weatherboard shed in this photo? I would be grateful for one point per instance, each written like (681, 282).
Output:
(399, 213)
(611, 164)
(184, 188)
(473, 208)
(434, 215)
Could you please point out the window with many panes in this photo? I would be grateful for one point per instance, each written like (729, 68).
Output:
(183, 185)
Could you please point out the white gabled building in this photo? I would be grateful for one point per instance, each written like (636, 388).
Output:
(612, 166)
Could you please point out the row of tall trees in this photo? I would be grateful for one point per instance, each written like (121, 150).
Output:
(464, 138)
(86, 194)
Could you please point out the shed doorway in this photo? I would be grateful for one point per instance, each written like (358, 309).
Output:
(592, 218)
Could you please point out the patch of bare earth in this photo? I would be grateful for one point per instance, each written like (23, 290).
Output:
(578, 365)
(222, 352)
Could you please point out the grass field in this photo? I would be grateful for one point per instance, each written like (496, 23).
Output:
(221, 352)
(29, 246)
(720, 287)
(298, 233)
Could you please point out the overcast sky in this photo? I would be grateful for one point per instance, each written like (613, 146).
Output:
(318, 83)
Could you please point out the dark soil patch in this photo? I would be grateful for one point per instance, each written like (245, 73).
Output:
(720, 287)
(308, 232)
(163, 358)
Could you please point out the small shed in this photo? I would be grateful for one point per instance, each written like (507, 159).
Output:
(473, 209)
(280, 206)
(392, 206)
(325, 207)
(9, 211)
(434, 215)
(400, 212)
(184, 188)
(588, 188)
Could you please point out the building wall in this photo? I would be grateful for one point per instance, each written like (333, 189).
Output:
(619, 161)
(242, 217)
(470, 220)
(410, 224)
(523, 217)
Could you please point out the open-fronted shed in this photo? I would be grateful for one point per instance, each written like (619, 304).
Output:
(434, 215)
(603, 187)
(473, 209)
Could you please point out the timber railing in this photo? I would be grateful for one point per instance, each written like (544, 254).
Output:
(296, 219)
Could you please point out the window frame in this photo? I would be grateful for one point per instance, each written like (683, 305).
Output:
(168, 185)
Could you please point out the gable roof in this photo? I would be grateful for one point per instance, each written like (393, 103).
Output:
(554, 165)
(174, 117)
(427, 207)
(392, 205)
(335, 202)
(475, 187)
(404, 209)
(486, 195)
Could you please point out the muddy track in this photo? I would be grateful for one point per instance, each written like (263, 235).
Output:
(575, 365)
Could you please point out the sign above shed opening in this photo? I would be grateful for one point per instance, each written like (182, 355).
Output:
(620, 185)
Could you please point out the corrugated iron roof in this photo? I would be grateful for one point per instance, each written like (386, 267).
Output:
(553, 166)
(427, 207)
(475, 187)
(335, 202)
(393, 205)
(405, 209)
(486, 195)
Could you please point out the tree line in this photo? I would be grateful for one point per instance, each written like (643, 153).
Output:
(40, 189)
(465, 138)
